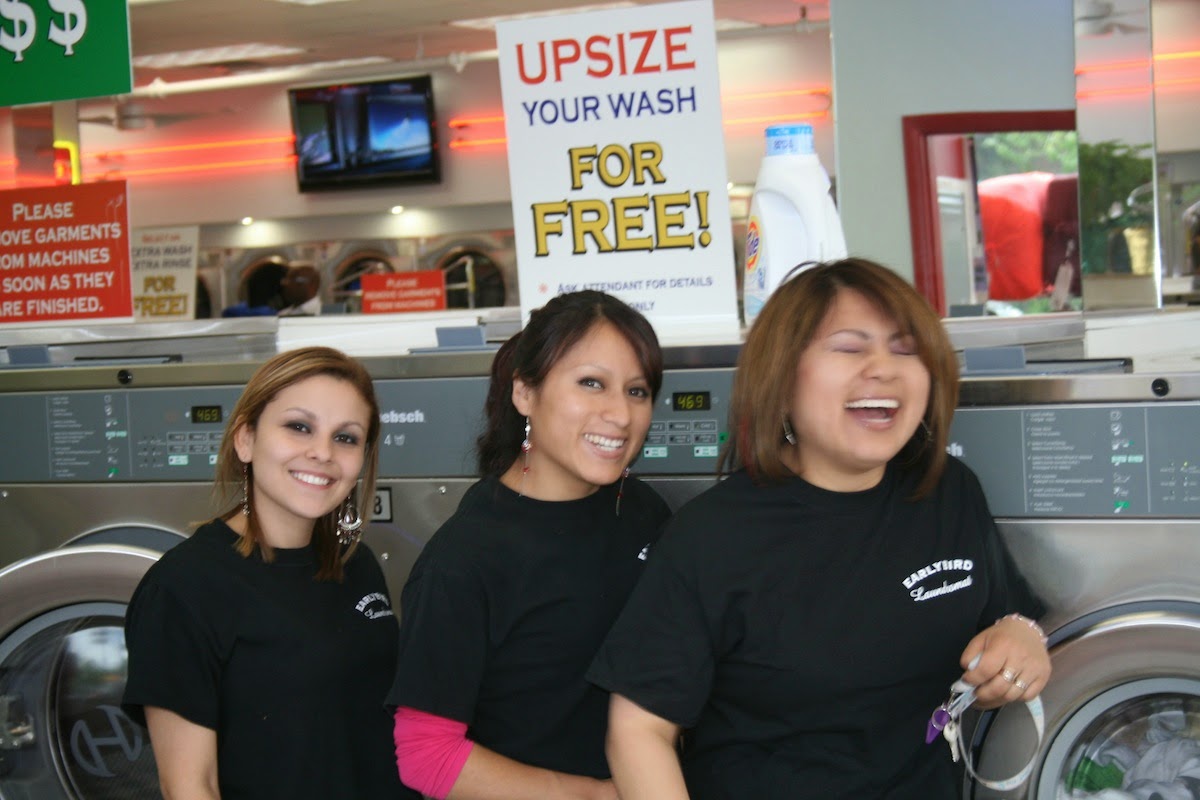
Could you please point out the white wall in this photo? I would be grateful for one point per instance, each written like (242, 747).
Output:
(893, 59)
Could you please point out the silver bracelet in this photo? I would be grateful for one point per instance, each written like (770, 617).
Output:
(1033, 625)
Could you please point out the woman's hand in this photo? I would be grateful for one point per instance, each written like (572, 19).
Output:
(1013, 663)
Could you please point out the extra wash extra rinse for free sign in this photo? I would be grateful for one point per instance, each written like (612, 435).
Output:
(617, 163)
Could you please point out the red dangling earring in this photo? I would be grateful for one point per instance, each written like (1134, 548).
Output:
(526, 446)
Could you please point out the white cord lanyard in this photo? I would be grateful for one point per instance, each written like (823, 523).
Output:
(946, 717)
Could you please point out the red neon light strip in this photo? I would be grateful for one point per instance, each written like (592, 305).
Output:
(458, 144)
(1176, 56)
(466, 122)
(1135, 89)
(1139, 64)
(783, 93)
(200, 167)
(178, 148)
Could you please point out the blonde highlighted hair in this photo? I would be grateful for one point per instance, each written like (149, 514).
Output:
(268, 381)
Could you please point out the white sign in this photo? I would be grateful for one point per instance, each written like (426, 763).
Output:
(164, 273)
(616, 159)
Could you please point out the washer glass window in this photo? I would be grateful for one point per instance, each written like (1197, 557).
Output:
(1143, 746)
(62, 731)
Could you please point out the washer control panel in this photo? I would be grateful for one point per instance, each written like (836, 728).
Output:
(1091, 460)
(428, 428)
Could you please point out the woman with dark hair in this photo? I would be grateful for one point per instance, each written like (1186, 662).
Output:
(508, 602)
(261, 648)
(803, 618)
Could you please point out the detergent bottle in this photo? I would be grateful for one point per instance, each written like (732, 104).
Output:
(792, 217)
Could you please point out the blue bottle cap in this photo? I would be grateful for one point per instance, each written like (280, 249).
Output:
(790, 140)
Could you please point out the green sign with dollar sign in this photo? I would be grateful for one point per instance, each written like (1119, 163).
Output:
(63, 49)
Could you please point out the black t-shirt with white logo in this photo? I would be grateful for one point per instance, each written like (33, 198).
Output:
(505, 608)
(289, 671)
(803, 637)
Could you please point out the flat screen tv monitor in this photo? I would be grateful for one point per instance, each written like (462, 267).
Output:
(365, 134)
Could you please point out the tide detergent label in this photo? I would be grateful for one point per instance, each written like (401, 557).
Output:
(753, 251)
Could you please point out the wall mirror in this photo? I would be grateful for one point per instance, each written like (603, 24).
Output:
(992, 209)
(1138, 86)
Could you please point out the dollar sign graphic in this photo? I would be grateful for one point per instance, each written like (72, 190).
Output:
(24, 28)
(74, 23)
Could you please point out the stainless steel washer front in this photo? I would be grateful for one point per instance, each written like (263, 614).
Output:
(62, 672)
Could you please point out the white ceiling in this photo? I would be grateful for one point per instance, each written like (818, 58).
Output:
(397, 30)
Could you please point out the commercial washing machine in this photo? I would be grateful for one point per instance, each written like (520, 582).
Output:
(107, 467)
(1095, 481)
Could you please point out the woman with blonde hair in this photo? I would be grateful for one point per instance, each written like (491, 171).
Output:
(800, 621)
(261, 648)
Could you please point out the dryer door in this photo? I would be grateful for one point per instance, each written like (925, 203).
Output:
(1122, 710)
(62, 673)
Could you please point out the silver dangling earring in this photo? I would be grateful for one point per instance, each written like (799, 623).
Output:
(788, 433)
(349, 522)
(621, 490)
(245, 490)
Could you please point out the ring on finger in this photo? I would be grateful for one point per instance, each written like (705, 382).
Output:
(1020, 684)
(1008, 675)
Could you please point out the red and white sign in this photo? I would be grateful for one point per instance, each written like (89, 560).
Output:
(64, 254)
(423, 290)
(616, 160)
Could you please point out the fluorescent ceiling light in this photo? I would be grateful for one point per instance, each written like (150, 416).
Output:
(489, 23)
(309, 2)
(215, 55)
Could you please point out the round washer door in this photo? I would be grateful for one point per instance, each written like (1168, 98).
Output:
(62, 674)
(1122, 711)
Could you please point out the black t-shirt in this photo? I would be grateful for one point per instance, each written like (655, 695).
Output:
(504, 610)
(289, 671)
(803, 637)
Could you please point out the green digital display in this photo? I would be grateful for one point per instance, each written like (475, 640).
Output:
(206, 414)
(691, 401)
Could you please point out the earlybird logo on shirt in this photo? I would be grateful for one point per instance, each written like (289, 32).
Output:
(374, 606)
(645, 552)
(920, 591)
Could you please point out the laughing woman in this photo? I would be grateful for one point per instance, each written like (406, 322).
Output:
(792, 619)
(261, 648)
(508, 602)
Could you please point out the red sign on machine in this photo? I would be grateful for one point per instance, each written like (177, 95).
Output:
(64, 253)
(424, 290)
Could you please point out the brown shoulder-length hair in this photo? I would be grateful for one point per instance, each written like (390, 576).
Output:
(766, 369)
(267, 382)
(530, 354)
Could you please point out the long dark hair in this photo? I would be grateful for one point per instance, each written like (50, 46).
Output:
(529, 355)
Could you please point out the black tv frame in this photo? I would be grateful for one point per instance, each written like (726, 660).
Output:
(345, 154)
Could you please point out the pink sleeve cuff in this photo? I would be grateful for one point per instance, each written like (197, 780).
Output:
(430, 751)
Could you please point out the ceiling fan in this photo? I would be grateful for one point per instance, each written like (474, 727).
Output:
(132, 116)
(1095, 18)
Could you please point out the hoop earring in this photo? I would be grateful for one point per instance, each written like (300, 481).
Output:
(788, 433)
(349, 522)
(621, 489)
(928, 437)
(245, 490)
